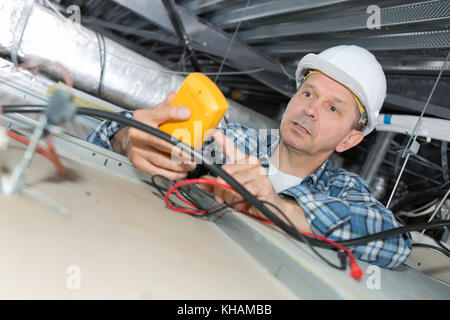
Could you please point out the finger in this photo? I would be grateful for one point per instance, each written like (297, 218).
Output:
(207, 187)
(253, 178)
(219, 191)
(148, 167)
(256, 212)
(256, 188)
(229, 149)
(161, 160)
(218, 194)
(142, 139)
(231, 197)
(243, 174)
(162, 113)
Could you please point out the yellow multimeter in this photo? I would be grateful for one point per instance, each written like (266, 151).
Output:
(207, 104)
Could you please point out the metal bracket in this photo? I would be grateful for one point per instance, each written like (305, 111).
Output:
(412, 149)
(13, 185)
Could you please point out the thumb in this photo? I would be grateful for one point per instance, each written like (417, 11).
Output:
(165, 112)
(207, 187)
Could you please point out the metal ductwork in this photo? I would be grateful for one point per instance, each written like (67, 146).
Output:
(97, 65)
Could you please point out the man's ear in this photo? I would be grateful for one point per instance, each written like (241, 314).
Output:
(351, 139)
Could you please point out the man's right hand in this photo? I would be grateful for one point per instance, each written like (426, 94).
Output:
(149, 153)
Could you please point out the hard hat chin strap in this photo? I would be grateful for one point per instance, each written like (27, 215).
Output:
(363, 120)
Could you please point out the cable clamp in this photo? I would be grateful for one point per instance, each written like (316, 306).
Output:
(412, 149)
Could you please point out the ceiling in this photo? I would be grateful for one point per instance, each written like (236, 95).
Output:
(250, 48)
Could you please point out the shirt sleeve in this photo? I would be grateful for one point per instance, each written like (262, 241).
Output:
(105, 131)
(353, 213)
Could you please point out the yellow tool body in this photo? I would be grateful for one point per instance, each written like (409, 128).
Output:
(207, 104)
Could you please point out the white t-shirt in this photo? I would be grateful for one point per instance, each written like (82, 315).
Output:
(280, 180)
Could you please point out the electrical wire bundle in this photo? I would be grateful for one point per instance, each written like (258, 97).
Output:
(422, 207)
(355, 270)
(251, 200)
(50, 153)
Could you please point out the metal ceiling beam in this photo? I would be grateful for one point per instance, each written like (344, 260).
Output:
(97, 8)
(262, 10)
(181, 33)
(417, 106)
(208, 39)
(391, 16)
(414, 64)
(402, 41)
(131, 45)
(201, 6)
(146, 34)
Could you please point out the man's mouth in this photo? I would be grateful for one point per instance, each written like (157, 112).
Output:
(301, 128)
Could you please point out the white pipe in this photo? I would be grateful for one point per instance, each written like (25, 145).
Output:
(433, 128)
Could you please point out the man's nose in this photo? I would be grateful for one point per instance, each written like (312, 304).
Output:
(311, 109)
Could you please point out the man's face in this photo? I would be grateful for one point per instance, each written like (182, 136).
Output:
(319, 117)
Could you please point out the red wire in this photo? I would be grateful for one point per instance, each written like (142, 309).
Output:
(184, 200)
(185, 182)
(55, 158)
(51, 154)
(355, 271)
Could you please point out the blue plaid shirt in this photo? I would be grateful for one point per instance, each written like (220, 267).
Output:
(337, 203)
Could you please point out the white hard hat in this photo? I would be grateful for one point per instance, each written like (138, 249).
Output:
(355, 68)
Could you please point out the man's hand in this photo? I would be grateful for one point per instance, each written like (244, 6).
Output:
(149, 153)
(247, 170)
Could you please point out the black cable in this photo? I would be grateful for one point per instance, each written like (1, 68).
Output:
(430, 246)
(410, 201)
(209, 211)
(160, 190)
(442, 246)
(394, 232)
(157, 186)
(216, 169)
(163, 190)
(216, 210)
(23, 108)
(340, 256)
(252, 200)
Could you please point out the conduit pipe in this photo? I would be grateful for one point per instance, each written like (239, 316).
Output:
(433, 128)
(30, 31)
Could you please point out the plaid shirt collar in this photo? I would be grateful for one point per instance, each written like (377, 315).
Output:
(312, 179)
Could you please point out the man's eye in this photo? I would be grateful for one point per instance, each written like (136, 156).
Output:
(333, 109)
(307, 94)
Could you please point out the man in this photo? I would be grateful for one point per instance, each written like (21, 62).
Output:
(340, 93)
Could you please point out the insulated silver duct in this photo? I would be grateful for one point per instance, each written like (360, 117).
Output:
(30, 31)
